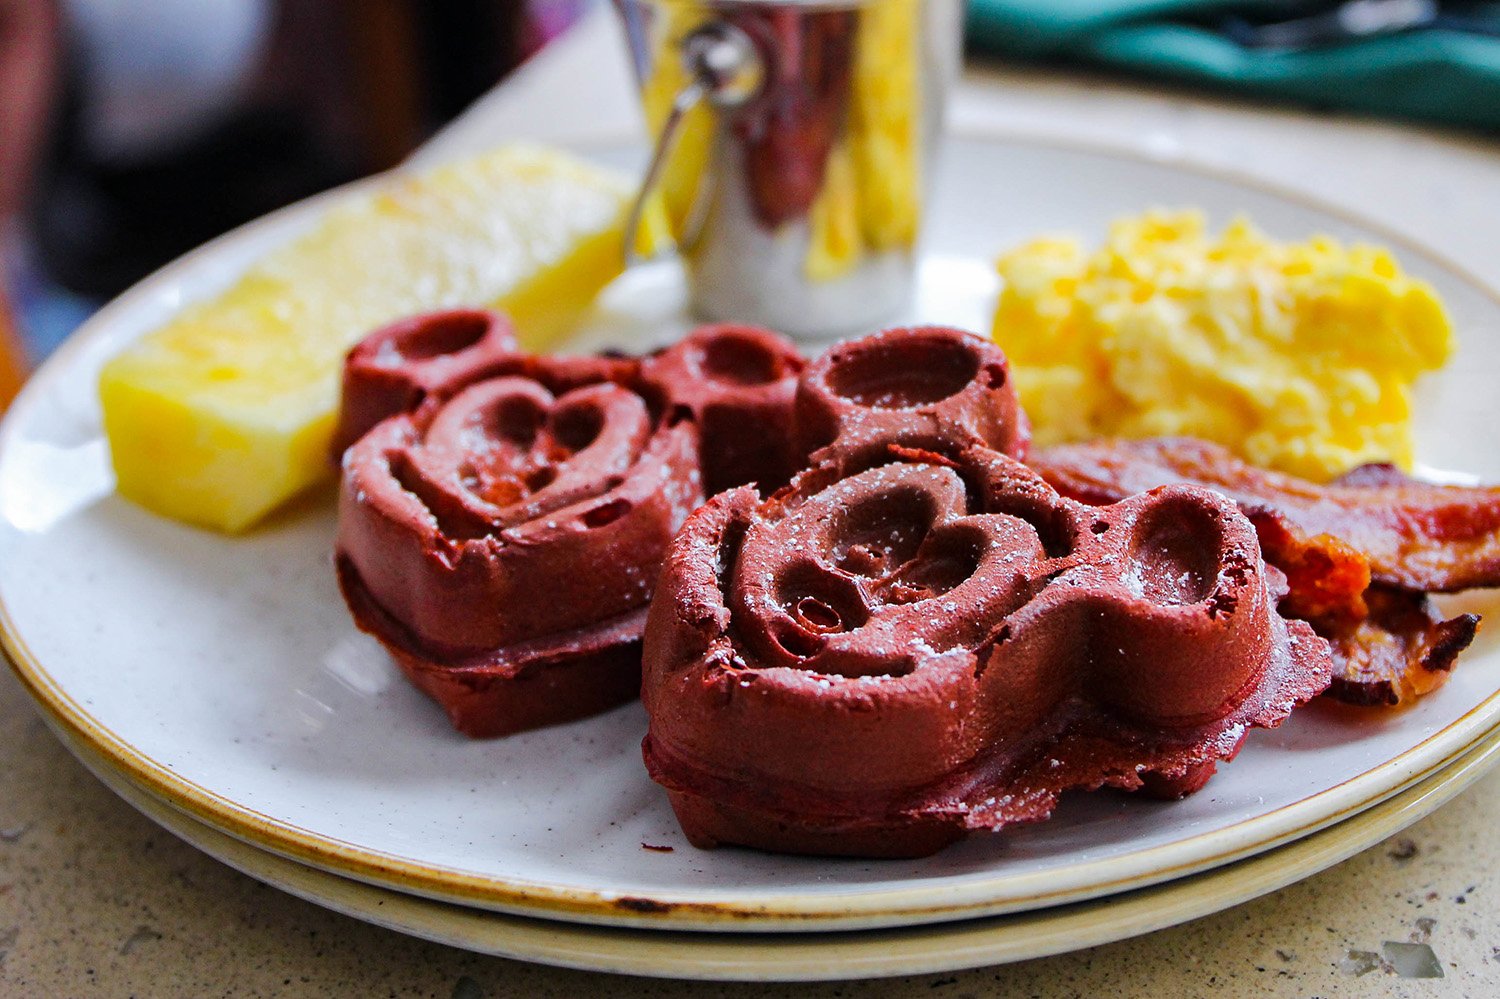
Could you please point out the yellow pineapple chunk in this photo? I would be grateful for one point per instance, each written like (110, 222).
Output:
(227, 411)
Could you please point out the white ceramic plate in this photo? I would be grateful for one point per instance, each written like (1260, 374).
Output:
(224, 675)
(807, 956)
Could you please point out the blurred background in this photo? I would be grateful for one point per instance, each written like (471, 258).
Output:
(133, 130)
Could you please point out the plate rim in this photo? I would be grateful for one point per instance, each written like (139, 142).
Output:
(773, 911)
(879, 953)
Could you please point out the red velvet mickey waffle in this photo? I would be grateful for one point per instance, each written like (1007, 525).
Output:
(913, 642)
(501, 532)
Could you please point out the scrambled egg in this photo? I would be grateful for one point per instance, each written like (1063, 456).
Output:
(1300, 357)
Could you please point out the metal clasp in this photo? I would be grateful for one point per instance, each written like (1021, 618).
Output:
(725, 70)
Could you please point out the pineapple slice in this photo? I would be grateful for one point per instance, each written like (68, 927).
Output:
(227, 411)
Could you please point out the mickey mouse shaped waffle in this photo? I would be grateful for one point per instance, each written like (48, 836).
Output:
(918, 637)
(503, 516)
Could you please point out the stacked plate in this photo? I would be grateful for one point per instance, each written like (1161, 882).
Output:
(219, 685)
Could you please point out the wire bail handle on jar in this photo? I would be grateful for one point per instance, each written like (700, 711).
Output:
(725, 70)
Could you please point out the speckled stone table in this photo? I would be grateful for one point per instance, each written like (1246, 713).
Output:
(95, 900)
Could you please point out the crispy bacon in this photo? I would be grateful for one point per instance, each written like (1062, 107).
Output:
(1417, 536)
(1326, 578)
(1402, 649)
(1360, 554)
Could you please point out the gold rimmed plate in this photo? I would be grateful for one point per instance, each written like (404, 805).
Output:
(824, 956)
(224, 677)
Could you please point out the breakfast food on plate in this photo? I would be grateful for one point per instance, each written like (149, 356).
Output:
(1299, 356)
(399, 367)
(1360, 553)
(1401, 649)
(919, 637)
(917, 387)
(905, 634)
(227, 411)
(1416, 535)
(503, 516)
(738, 385)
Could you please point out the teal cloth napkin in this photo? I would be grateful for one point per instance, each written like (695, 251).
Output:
(1432, 74)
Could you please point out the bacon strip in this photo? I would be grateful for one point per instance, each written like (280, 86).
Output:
(1416, 536)
(1403, 649)
(1359, 554)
